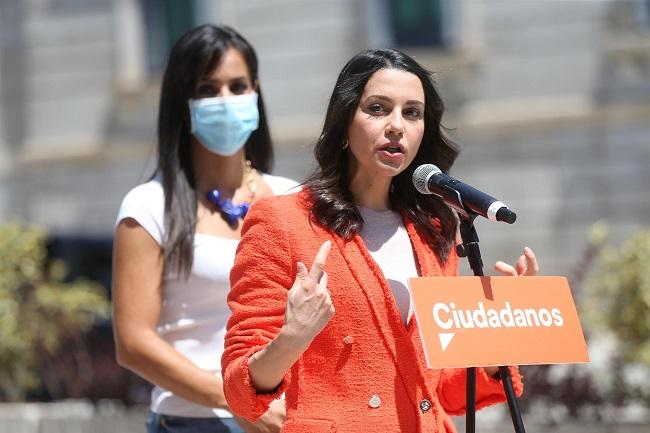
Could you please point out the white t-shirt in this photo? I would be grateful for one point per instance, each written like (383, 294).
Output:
(193, 313)
(389, 245)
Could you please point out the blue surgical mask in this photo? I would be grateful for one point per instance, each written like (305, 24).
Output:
(223, 124)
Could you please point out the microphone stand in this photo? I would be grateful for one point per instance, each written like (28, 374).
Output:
(470, 249)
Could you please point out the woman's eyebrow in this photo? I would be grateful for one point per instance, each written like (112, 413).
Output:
(414, 102)
(386, 98)
(382, 97)
(214, 80)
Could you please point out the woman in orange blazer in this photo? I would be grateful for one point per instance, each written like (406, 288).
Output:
(336, 334)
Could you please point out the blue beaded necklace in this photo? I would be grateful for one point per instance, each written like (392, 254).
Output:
(229, 211)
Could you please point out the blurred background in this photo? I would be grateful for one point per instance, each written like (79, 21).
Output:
(549, 100)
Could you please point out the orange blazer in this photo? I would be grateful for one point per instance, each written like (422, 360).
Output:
(365, 371)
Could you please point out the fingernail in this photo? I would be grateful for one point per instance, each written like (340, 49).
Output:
(528, 250)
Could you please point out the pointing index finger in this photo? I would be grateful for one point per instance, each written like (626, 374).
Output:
(316, 271)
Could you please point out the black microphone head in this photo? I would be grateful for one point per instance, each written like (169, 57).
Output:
(421, 177)
(506, 215)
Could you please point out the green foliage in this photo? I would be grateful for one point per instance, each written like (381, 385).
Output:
(38, 311)
(619, 297)
(611, 286)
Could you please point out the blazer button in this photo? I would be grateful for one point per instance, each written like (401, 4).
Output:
(425, 405)
(374, 402)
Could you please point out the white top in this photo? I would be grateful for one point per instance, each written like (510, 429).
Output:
(193, 313)
(390, 246)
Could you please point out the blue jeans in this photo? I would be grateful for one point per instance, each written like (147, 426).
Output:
(157, 423)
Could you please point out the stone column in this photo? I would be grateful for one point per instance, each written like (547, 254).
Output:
(12, 96)
(129, 46)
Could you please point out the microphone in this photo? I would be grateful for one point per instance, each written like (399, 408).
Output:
(428, 179)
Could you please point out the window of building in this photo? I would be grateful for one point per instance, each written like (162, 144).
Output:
(421, 23)
(165, 22)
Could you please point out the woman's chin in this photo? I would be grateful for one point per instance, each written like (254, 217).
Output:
(391, 168)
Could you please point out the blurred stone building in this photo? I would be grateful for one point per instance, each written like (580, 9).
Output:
(550, 101)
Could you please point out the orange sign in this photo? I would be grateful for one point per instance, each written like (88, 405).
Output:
(484, 321)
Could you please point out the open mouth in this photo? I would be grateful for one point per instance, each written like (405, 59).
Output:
(392, 149)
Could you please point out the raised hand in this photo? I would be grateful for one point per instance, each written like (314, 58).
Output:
(526, 265)
(309, 306)
(308, 310)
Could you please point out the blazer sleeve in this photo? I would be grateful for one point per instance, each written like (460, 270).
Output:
(452, 385)
(260, 279)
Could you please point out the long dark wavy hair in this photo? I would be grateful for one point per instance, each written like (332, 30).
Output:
(195, 56)
(328, 186)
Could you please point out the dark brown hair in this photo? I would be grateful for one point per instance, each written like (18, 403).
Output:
(328, 186)
(194, 56)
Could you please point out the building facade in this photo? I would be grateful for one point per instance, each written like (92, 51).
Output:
(550, 101)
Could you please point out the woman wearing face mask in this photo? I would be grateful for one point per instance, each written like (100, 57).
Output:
(176, 234)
